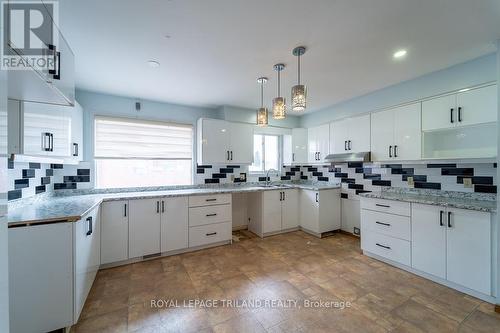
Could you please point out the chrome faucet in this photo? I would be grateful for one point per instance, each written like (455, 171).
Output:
(268, 180)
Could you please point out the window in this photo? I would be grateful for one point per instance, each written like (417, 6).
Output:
(133, 153)
(266, 153)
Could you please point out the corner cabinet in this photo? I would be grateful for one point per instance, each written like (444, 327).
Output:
(350, 135)
(45, 130)
(222, 142)
(51, 271)
(396, 134)
(318, 143)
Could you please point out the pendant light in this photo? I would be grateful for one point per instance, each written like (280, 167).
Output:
(299, 91)
(279, 107)
(262, 113)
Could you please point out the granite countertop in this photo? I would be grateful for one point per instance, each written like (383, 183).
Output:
(71, 208)
(456, 200)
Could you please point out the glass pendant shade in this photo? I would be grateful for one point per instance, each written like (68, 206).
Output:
(279, 108)
(262, 117)
(299, 96)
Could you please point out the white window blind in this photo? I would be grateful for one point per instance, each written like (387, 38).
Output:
(132, 138)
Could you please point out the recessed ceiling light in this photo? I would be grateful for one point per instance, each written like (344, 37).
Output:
(153, 63)
(399, 54)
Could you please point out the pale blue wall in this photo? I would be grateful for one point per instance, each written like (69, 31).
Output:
(109, 105)
(474, 72)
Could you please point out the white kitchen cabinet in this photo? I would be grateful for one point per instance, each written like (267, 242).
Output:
(174, 223)
(320, 211)
(37, 84)
(396, 134)
(273, 211)
(240, 144)
(318, 139)
(350, 215)
(87, 237)
(41, 277)
(220, 141)
(114, 231)
(429, 239)
(40, 129)
(295, 147)
(453, 244)
(144, 227)
(467, 107)
(350, 135)
(290, 209)
(468, 249)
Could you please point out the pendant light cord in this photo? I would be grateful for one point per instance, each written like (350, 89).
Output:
(262, 93)
(279, 71)
(298, 74)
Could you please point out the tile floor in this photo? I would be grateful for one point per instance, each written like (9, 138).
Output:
(290, 266)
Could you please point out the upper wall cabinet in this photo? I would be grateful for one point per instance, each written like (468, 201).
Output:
(350, 135)
(46, 130)
(471, 107)
(318, 143)
(396, 134)
(295, 147)
(222, 142)
(39, 84)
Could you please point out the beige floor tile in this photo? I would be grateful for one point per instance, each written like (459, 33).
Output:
(425, 318)
(482, 322)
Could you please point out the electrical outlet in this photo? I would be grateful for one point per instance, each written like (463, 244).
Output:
(468, 182)
(410, 181)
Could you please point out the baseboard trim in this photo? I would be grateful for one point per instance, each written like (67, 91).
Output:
(240, 227)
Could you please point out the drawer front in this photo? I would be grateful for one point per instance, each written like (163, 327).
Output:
(207, 200)
(388, 224)
(209, 215)
(208, 234)
(386, 206)
(394, 249)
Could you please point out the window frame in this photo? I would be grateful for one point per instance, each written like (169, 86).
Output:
(143, 120)
(280, 154)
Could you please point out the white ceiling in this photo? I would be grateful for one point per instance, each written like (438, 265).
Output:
(218, 48)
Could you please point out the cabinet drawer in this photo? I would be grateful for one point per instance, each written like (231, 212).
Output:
(387, 224)
(386, 206)
(207, 200)
(208, 234)
(385, 246)
(209, 215)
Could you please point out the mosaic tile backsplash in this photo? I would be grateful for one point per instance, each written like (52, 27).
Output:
(358, 177)
(28, 179)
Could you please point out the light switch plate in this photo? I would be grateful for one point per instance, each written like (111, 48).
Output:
(410, 181)
(468, 182)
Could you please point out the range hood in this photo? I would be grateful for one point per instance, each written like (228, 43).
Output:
(348, 157)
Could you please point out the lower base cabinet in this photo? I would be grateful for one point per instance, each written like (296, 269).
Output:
(51, 270)
(144, 227)
(320, 210)
(114, 231)
(274, 211)
(453, 244)
(350, 215)
(174, 224)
